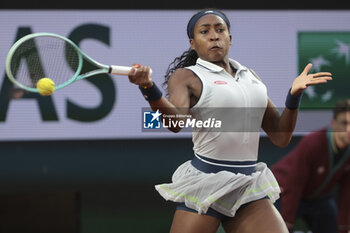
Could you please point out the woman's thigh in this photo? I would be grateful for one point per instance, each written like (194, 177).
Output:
(258, 216)
(189, 222)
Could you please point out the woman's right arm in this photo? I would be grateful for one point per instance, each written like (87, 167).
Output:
(178, 103)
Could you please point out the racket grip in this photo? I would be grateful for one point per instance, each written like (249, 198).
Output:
(121, 70)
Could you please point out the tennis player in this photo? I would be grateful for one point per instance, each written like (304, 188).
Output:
(223, 183)
(315, 177)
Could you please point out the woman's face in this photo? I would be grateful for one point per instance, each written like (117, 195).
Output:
(211, 38)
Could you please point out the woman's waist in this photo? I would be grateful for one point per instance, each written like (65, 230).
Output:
(210, 165)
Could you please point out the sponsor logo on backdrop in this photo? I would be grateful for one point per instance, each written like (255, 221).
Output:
(327, 51)
(46, 105)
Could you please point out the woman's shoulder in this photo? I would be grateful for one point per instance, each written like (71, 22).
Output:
(183, 71)
(181, 74)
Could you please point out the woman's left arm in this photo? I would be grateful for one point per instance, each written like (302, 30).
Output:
(280, 127)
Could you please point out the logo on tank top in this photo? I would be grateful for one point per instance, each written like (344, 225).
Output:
(220, 82)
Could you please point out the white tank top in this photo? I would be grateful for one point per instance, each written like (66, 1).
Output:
(239, 102)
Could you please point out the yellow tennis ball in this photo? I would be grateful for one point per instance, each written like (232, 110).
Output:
(45, 86)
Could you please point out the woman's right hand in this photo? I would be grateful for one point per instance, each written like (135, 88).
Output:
(141, 76)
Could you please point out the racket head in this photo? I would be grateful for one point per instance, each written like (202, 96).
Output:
(47, 55)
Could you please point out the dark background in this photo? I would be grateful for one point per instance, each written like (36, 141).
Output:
(104, 186)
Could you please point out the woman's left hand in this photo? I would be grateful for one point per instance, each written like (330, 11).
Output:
(304, 80)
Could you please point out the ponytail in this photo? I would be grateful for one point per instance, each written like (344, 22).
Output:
(188, 58)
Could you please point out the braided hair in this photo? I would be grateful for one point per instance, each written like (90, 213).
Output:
(188, 58)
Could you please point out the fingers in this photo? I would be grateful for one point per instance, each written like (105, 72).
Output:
(304, 79)
(137, 70)
(319, 74)
(307, 69)
(141, 71)
(140, 75)
(322, 74)
(324, 78)
(133, 70)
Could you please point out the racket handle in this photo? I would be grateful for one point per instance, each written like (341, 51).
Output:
(122, 70)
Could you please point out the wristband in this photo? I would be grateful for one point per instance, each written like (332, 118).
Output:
(293, 101)
(152, 93)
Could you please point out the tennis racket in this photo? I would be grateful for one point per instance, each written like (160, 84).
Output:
(53, 56)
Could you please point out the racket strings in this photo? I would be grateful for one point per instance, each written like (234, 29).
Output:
(44, 56)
